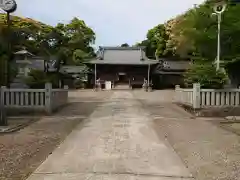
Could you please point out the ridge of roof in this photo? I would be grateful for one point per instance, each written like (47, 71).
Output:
(24, 52)
(174, 59)
(144, 62)
(121, 48)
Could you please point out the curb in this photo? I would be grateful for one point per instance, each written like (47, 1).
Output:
(18, 127)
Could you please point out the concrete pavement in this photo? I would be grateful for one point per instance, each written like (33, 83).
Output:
(117, 142)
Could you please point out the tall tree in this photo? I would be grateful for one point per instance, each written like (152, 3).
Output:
(79, 57)
(66, 41)
(193, 35)
(74, 36)
(155, 42)
(195, 32)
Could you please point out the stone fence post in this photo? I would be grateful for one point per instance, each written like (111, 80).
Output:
(177, 88)
(66, 88)
(196, 96)
(48, 98)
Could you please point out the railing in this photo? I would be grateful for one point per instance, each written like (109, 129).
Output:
(59, 98)
(47, 99)
(24, 98)
(222, 97)
(185, 96)
(203, 98)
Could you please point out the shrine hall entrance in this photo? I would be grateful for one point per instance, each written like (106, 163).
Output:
(123, 78)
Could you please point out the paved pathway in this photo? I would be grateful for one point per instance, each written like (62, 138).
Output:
(116, 142)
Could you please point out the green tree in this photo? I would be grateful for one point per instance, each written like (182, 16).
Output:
(155, 42)
(70, 42)
(193, 35)
(206, 75)
(37, 79)
(79, 57)
(73, 41)
(80, 36)
(44, 40)
(195, 32)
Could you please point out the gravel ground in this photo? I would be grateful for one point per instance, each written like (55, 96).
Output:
(22, 152)
(209, 151)
(232, 127)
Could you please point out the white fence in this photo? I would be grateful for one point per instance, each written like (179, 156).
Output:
(184, 96)
(203, 98)
(47, 99)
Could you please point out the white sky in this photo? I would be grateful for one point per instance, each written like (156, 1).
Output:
(115, 22)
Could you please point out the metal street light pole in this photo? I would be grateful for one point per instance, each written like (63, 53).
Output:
(219, 16)
(9, 6)
(219, 8)
(3, 119)
(9, 48)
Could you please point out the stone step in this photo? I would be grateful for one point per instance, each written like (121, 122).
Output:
(122, 87)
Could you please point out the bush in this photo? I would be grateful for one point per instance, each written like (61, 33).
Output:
(206, 75)
(37, 79)
(79, 83)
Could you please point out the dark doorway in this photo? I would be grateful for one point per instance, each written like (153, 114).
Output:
(122, 78)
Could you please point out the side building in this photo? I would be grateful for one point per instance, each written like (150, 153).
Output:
(169, 72)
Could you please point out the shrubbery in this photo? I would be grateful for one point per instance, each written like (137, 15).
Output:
(37, 79)
(206, 75)
(79, 83)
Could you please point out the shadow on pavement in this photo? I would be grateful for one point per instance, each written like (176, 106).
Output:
(78, 109)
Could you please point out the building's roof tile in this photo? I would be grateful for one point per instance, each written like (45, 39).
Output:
(122, 55)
